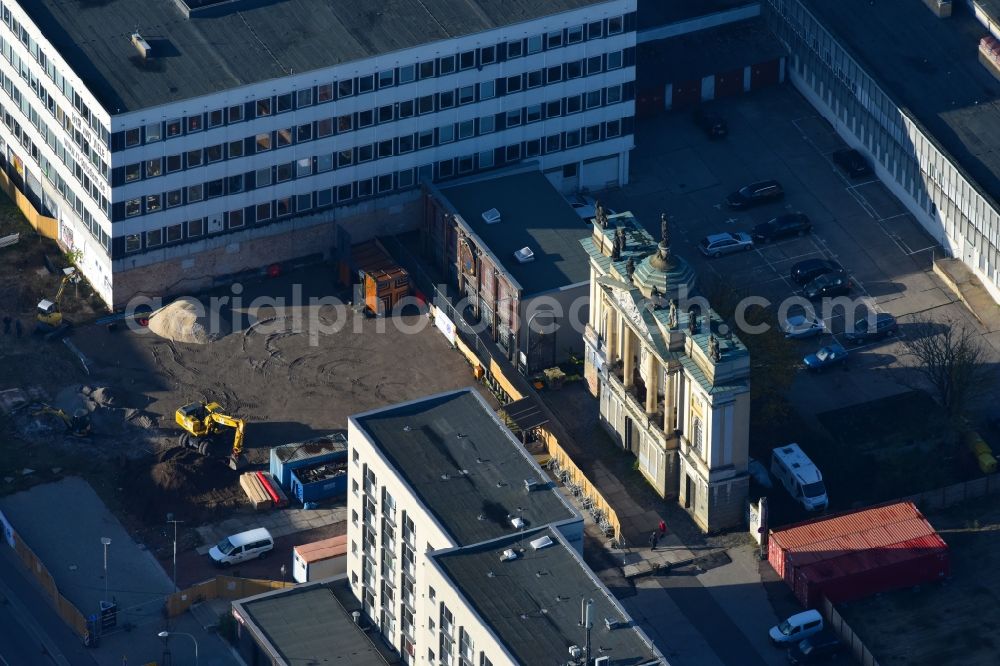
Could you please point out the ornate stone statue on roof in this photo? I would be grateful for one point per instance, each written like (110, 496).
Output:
(713, 348)
(672, 316)
(661, 260)
(692, 321)
(600, 215)
(616, 248)
(630, 268)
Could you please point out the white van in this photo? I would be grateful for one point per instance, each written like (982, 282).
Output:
(242, 547)
(801, 478)
(796, 628)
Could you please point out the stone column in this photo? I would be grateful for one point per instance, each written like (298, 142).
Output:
(628, 364)
(611, 340)
(595, 301)
(652, 378)
(669, 402)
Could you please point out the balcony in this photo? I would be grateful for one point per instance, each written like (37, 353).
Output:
(635, 395)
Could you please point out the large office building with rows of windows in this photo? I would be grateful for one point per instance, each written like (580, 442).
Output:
(179, 142)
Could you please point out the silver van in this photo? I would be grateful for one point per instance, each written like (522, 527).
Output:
(796, 628)
(242, 547)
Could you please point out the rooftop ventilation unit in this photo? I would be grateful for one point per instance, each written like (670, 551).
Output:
(541, 542)
(611, 623)
(142, 46)
(508, 555)
(575, 651)
(524, 255)
(530, 484)
(517, 522)
(492, 216)
(603, 661)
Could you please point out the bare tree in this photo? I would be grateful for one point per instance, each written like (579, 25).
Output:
(773, 359)
(952, 362)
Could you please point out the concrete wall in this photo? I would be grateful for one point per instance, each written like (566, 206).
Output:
(197, 266)
(542, 348)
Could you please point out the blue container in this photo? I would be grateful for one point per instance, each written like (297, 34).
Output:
(319, 482)
(287, 457)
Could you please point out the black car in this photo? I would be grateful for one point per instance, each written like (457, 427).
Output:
(828, 284)
(852, 163)
(884, 325)
(711, 124)
(815, 649)
(810, 269)
(791, 224)
(755, 194)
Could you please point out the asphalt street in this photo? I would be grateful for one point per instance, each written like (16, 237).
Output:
(30, 630)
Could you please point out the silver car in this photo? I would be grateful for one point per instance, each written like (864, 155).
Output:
(717, 245)
(803, 326)
(585, 206)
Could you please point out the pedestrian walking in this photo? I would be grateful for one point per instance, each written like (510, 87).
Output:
(663, 528)
(6, 325)
(652, 541)
(17, 327)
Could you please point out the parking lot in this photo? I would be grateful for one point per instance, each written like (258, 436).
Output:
(776, 134)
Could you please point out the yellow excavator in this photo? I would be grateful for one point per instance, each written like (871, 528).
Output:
(77, 425)
(50, 318)
(203, 425)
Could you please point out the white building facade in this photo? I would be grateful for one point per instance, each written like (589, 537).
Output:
(672, 380)
(398, 525)
(175, 195)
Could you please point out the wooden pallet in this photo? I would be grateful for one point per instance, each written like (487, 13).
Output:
(259, 498)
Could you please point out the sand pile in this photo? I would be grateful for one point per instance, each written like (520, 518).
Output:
(183, 320)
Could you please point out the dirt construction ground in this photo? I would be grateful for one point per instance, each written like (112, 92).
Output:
(297, 372)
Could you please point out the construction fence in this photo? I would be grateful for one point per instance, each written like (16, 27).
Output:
(220, 587)
(942, 498)
(838, 626)
(69, 613)
(45, 226)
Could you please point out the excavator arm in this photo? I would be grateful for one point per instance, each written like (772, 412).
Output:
(62, 287)
(234, 423)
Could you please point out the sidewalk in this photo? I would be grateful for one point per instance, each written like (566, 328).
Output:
(141, 645)
(279, 522)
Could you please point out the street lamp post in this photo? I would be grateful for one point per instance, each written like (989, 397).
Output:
(170, 519)
(105, 541)
(167, 634)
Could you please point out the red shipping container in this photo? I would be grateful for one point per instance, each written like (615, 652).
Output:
(857, 554)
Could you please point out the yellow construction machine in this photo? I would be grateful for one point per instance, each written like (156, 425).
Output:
(204, 424)
(77, 425)
(50, 318)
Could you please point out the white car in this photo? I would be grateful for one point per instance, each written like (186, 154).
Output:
(717, 245)
(586, 207)
(796, 628)
(803, 326)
